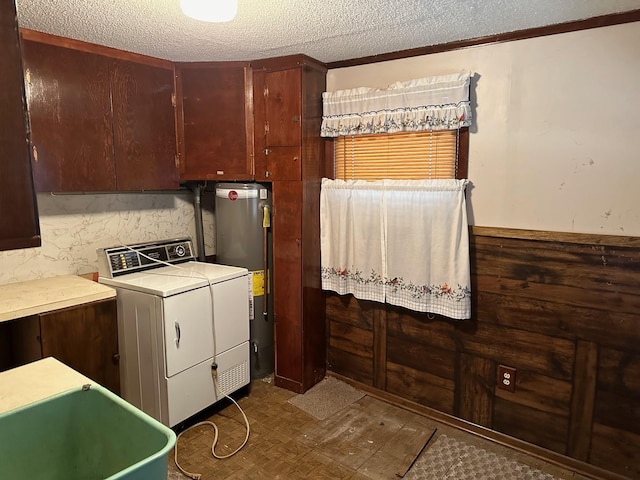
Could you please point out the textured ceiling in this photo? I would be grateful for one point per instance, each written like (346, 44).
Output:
(328, 30)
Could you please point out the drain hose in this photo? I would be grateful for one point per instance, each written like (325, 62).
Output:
(197, 476)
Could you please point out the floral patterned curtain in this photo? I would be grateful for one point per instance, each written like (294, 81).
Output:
(432, 103)
(403, 242)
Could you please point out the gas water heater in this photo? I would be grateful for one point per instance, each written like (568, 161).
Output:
(243, 239)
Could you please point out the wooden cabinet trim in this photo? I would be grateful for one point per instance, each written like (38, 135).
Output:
(20, 227)
(179, 122)
(20, 242)
(287, 62)
(248, 115)
(563, 237)
(81, 305)
(73, 44)
(210, 65)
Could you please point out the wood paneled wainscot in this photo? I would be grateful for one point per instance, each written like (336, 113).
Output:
(562, 309)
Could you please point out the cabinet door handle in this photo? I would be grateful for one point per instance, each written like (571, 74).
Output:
(295, 118)
(177, 325)
(267, 174)
(295, 159)
(116, 357)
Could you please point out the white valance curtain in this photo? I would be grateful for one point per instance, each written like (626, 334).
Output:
(432, 103)
(404, 242)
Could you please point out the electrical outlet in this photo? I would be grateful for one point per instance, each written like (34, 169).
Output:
(507, 378)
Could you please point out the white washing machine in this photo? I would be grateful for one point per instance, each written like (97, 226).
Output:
(178, 326)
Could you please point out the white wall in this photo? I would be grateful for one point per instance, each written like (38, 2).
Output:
(555, 142)
(74, 226)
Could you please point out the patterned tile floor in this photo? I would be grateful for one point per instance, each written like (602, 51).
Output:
(369, 440)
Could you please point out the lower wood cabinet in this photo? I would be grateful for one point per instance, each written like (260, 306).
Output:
(287, 283)
(299, 302)
(84, 337)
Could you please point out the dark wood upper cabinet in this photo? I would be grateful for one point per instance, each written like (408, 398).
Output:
(98, 123)
(287, 110)
(283, 99)
(70, 112)
(278, 114)
(144, 133)
(19, 227)
(214, 120)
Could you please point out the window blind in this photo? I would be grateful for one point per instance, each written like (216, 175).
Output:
(403, 156)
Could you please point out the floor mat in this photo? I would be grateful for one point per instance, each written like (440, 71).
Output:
(326, 398)
(451, 459)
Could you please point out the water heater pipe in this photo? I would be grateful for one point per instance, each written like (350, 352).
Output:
(197, 207)
(266, 223)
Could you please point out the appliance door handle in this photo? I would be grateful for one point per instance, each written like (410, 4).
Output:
(177, 325)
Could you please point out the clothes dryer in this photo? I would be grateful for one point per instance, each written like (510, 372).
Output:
(183, 326)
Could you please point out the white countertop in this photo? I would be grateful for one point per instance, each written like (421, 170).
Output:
(32, 297)
(32, 382)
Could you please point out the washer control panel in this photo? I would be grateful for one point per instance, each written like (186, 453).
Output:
(124, 259)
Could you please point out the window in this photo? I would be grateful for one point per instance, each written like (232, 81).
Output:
(432, 154)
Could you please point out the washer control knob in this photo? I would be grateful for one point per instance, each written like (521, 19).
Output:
(180, 251)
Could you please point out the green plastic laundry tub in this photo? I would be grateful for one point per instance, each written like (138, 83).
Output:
(83, 434)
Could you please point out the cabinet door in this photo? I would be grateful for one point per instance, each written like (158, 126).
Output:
(260, 121)
(283, 98)
(70, 112)
(19, 227)
(86, 339)
(214, 118)
(144, 133)
(284, 163)
(277, 108)
(287, 282)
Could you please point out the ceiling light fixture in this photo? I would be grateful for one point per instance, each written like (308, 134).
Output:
(210, 10)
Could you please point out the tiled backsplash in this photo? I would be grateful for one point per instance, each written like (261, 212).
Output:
(74, 226)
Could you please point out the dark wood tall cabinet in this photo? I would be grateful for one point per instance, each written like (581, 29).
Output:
(19, 227)
(290, 153)
(99, 123)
